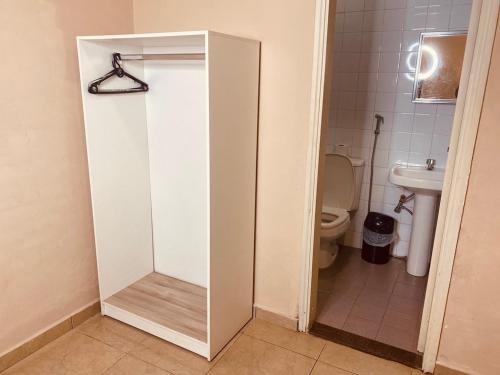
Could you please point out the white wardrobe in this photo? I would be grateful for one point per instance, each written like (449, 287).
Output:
(173, 180)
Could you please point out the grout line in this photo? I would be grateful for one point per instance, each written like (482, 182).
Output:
(282, 347)
(388, 302)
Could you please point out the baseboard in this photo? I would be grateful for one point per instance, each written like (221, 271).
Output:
(11, 358)
(443, 370)
(275, 318)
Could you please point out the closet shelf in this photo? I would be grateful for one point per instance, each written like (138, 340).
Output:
(176, 304)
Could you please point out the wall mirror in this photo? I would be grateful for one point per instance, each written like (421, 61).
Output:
(439, 65)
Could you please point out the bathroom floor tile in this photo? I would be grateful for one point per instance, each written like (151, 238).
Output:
(386, 297)
(252, 356)
(301, 343)
(361, 327)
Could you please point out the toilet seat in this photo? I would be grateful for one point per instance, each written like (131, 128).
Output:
(341, 217)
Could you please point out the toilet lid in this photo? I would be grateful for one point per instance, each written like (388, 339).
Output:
(341, 214)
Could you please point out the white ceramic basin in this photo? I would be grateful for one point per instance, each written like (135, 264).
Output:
(426, 184)
(417, 178)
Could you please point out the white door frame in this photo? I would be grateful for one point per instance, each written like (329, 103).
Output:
(477, 59)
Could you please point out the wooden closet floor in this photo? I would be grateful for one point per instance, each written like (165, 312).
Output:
(175, 304)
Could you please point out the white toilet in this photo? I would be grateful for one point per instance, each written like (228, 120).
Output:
(342, 188)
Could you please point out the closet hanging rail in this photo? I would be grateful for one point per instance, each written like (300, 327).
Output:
(119, 72)
(163, 56)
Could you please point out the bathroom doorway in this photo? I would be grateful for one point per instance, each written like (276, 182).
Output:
(383, 308)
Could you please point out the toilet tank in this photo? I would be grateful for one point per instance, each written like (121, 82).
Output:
(343, 179)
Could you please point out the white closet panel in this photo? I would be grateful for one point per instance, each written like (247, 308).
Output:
(178, 154)
(117, 151)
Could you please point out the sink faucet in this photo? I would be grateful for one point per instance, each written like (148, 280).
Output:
(402, 200)
(430, 164)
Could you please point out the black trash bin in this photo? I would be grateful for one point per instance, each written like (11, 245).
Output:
(378, 234)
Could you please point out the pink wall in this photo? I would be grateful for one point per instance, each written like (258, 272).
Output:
(470, 340)
(48, 268)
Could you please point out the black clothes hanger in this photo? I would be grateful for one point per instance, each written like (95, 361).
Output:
(119, 72)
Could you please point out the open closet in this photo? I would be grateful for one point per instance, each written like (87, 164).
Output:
(172, 170)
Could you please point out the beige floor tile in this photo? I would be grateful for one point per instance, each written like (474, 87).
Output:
(72, 354)
(360, 363)
(301, 343)
(129, 365)
(170, 357)
(112, 332)
(249, 355)
(321, 368)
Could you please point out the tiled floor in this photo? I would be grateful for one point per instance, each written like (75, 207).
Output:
(108, 347)
(380, 302)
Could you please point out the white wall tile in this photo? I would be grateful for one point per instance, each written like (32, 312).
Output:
(388, 120)
(373, 20)
(367, 82)
(410, 40)
(423, 123)
(346, 119)
(351, 42)
(369, 62)
(417, 158)
(354, 5)
(394, 4)
(394, 19)
(405, 82)
(415, 19)
(403, 122)
(443, 124)
(440, 144)
(346, 81)
(341, 6)
(421, 143)
(417, 3)
(384, 101)
(459, 19)
(373, 73)
(425, 108)
(365, 101)
(371, 41)
(438, 18)
(397, 157)
(384, 140)
(408, 62)
(348, 100)
(391, 41)
(404, 103)
(353, 22)
(365, 120)
(339, 22)
(400, 141)
(389, 62)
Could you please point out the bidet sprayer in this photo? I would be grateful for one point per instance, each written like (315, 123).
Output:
(380, 121)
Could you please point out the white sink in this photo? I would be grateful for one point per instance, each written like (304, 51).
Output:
(414, 178)
(426, 184)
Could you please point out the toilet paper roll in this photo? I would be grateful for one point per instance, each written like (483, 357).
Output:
(342, 149)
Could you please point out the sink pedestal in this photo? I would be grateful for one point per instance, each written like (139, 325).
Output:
(422, 232)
